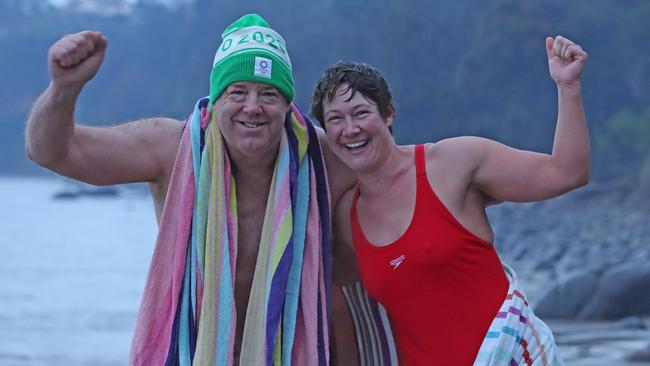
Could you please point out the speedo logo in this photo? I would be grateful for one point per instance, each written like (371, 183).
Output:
(397, 261)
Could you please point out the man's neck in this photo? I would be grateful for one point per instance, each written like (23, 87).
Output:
(253, 168)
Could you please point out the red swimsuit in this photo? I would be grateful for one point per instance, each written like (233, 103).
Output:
(440, 284)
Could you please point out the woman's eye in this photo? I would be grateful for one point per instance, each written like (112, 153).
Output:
(333, 119)
(361, 113)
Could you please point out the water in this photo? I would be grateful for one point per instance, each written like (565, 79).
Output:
(71, 274)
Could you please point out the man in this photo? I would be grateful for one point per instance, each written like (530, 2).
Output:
(239, 193)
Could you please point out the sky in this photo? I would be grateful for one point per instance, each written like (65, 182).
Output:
(64, 2)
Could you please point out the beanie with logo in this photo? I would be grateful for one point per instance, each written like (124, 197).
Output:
(251, 51)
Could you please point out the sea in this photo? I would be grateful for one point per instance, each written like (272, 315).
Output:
(73, 262)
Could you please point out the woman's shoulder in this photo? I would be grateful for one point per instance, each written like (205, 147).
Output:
(452, 161)
(461, 150)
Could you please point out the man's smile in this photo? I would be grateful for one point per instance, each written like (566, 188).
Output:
(251, 125)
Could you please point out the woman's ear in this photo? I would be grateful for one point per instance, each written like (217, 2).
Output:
(390, 113)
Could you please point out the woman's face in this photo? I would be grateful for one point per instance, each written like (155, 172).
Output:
(355, 130)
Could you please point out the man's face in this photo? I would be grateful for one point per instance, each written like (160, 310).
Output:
(251, 118)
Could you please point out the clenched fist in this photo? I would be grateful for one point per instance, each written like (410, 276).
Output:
(75, 58)
(565, 60)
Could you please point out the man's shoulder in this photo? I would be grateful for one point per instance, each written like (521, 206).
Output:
(159, 136)
(170, 124)
(158, 129)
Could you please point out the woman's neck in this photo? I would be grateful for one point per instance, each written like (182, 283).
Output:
(375, 182)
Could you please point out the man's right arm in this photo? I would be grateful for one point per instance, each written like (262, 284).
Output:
(138, 151)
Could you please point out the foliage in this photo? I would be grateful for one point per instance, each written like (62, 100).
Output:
(626, 140)
(455, 67)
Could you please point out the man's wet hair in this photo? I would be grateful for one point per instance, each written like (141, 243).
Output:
(361, 78)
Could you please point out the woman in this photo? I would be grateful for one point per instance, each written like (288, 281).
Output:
(417, 219)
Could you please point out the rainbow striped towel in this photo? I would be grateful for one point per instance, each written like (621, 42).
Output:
(187, 314)
(516, 336)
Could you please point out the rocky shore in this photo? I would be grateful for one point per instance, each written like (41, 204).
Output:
(584, 261)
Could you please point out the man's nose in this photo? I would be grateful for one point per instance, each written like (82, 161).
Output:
(252, 104)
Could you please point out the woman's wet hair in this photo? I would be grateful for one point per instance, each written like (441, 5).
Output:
(359, 77)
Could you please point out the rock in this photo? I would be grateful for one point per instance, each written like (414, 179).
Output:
(545, 265)
(623, 290)
(576, 238)
(632, 322)
(86, 190)
(640, 356)
(644, 175)
(566, 299)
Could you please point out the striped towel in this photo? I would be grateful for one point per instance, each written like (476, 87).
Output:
(187, 315)
(516, 336)
(373, 333)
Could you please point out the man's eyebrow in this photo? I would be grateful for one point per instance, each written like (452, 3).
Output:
(268, 87)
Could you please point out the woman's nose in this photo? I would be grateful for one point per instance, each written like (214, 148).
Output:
(350, 127)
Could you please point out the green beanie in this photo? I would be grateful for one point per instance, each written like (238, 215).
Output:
(251, 51)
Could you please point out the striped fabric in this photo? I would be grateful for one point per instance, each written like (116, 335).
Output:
(187, 315)
(516, 336)
(372, 328)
